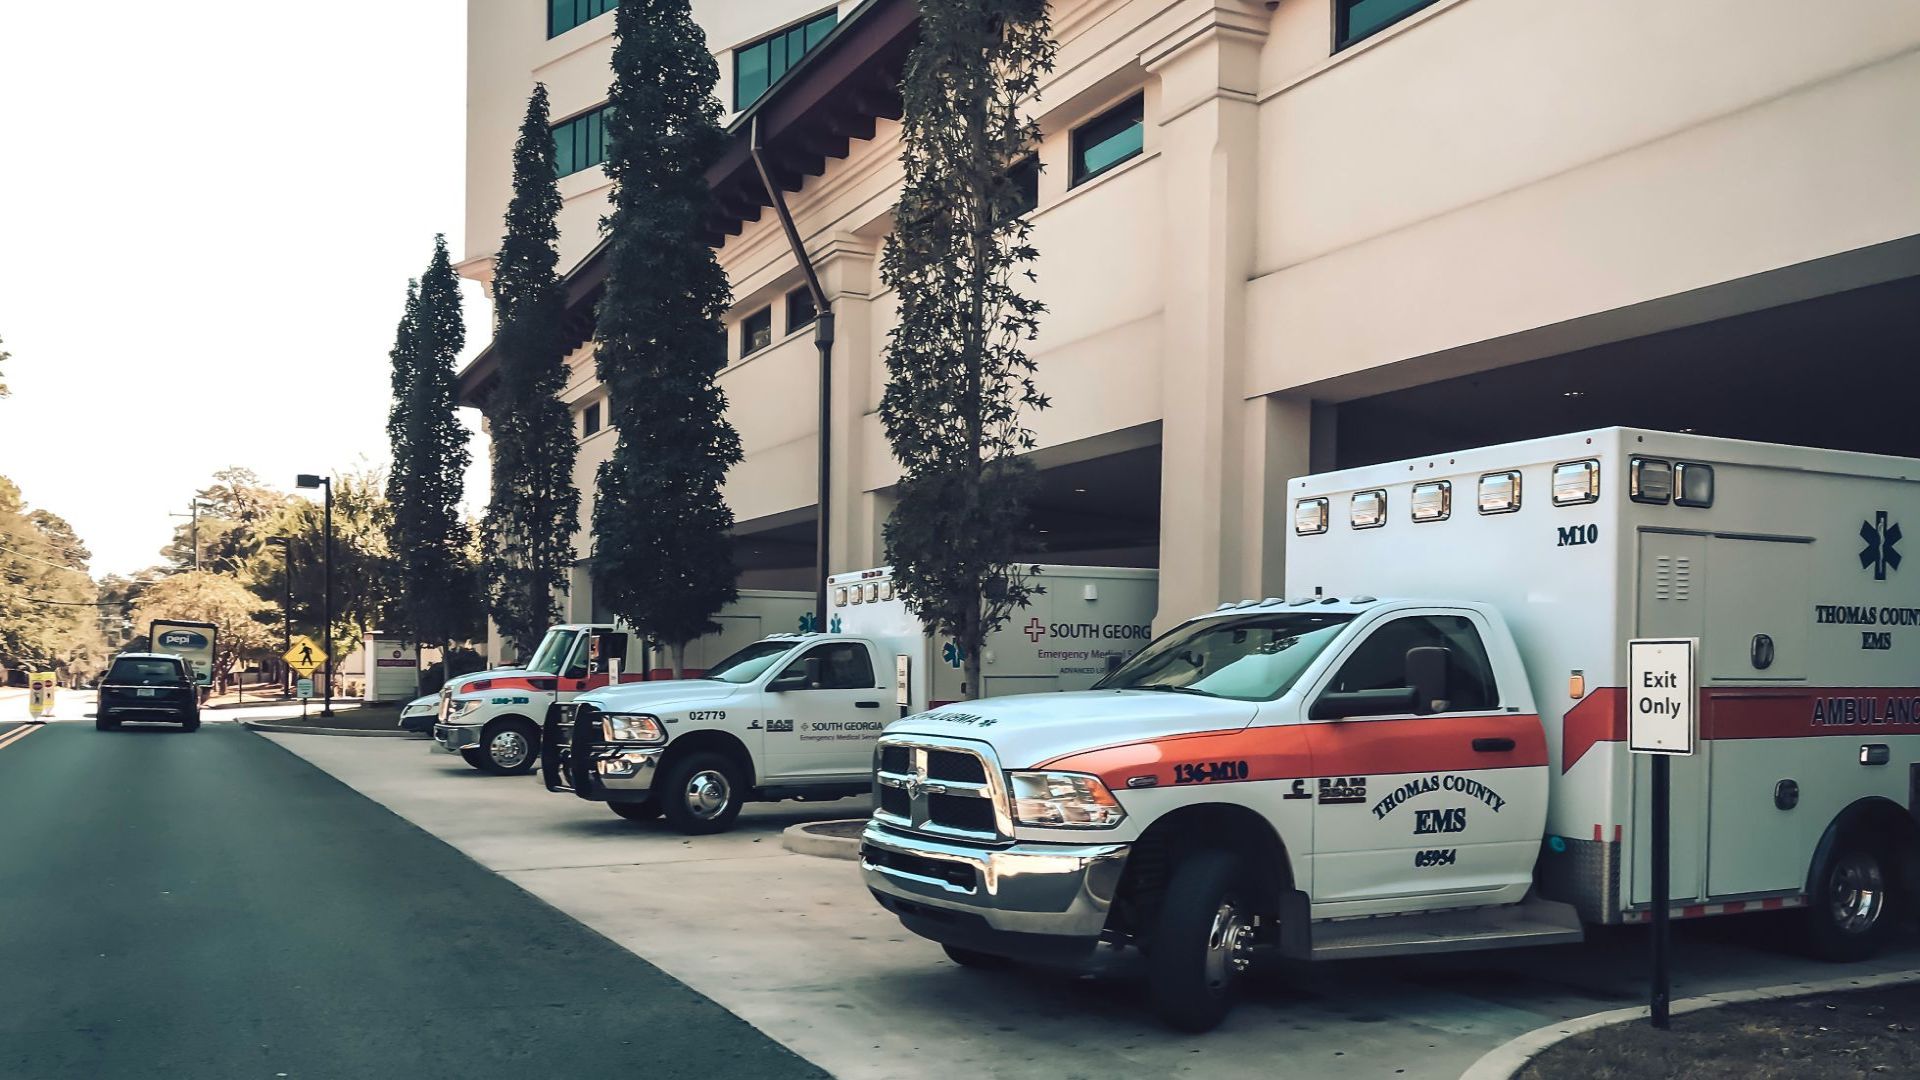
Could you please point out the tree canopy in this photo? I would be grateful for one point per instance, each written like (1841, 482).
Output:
(663, 554)
(535, 509)
(204, 596)
(958, 373)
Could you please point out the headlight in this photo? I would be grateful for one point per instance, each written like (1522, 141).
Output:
(461, 706)
(1063, 800)
(640, 728)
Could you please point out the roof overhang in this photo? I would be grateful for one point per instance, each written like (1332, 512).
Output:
(833, 98)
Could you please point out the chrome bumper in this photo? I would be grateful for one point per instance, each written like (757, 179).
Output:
(624, 770)
(453, 738)
(1053, 890)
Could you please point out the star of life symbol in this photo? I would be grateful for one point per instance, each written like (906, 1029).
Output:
(953, 654)
(1879, 555)
(1035, 629)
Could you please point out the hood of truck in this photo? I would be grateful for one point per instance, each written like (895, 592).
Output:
(662, 694)
(460, 683)
(1027, 730)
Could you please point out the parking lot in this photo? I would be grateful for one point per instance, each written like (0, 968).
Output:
(794, 945)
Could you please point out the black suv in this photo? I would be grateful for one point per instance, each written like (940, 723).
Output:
(148, 686)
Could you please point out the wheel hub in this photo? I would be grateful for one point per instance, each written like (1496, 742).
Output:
(707, 794)
(1859, 893)
(1229, 945)
(508, 748)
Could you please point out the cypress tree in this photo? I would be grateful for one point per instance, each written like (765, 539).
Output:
(958, 375)
(528, 530)
(430, 458)
(663, 555)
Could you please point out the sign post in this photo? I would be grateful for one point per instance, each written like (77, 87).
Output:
(1662, 692)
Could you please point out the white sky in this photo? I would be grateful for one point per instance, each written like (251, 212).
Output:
(208, 216)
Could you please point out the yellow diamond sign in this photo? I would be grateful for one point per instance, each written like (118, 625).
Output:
(305, 654)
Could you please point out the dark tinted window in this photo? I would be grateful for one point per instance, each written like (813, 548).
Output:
(756, 331)
(1114, 136)
(1380, 663)
(132, 671)
(580, 143)
(1025, 177)
(844, 665)
(564, 15)
(1356, 19)
(800, 309)
(758, 66)
(590, 419)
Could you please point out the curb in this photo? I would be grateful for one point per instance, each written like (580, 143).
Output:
(281, 728)
(802, 840)
(1503, 1061)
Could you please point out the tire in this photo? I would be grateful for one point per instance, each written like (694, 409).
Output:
(101, 723)
(509, 747)
(974, 958)
(1201, 938)
(636, 811)
(1850, 911)
(190, 725)
(702, 793)
(475, 757)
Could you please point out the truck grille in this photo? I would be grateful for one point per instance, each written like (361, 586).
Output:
(942, 788)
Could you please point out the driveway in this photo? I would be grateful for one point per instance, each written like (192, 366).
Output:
(794, 945)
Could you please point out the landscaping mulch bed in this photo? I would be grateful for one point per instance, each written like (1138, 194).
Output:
(365, 718)
(1858, 1033)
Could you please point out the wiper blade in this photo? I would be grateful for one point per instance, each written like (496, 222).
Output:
(1175, 690)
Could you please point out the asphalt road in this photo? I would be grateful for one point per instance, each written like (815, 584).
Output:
(209, 905)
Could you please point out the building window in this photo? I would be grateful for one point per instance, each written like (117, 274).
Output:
(1025, 178)
(590, 420)
(758, 66)
(1108, 139)
(800, 309)
(1354, 20)
(756, 331)
(564, 15)
(581, 143)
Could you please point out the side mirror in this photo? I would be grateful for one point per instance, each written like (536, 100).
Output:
(1342, 706)
(1427, 676)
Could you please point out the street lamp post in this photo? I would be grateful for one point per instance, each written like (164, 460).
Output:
(308, 480)
(286, 609)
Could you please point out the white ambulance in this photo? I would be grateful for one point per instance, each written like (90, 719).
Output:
(796, 715)
(1422, 747)
(493, 719)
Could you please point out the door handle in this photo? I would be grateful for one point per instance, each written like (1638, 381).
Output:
(1492, 746)
(866, 704)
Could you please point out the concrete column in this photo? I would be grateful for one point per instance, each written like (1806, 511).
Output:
(848, 267)
(1214, 444)
(1277, 448)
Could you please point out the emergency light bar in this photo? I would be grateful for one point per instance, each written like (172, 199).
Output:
(1433, 500)
(1310, 517)
(1576, 482)
(1369, 509)
(1649, 480)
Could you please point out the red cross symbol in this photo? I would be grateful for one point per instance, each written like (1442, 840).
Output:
(1036, 629)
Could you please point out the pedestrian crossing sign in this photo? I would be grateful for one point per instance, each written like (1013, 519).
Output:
(305, 654)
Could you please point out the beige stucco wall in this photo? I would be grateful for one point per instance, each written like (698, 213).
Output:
(1474, 186)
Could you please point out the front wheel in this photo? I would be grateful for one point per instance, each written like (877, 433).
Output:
(190, 725)
(1202, 942)
(509, 747)
(636, 811)
(702, 793)
(1851, 910)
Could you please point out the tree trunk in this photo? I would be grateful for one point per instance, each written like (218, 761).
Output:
(680, 660)
(971, 642)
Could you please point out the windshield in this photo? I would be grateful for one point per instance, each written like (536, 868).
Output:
(552, 651)
(144, 673)
(749, 663)
(1249, 658)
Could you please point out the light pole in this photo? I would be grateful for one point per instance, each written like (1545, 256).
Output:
(194, 533)
(308, 480)
(286, 609)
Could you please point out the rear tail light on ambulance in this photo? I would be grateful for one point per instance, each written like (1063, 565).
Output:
(1433, 500)
(1310, 517)
(1649, 480)
(1692, 484)
(1369, 509)
(1500, 492)
(1576, 482)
